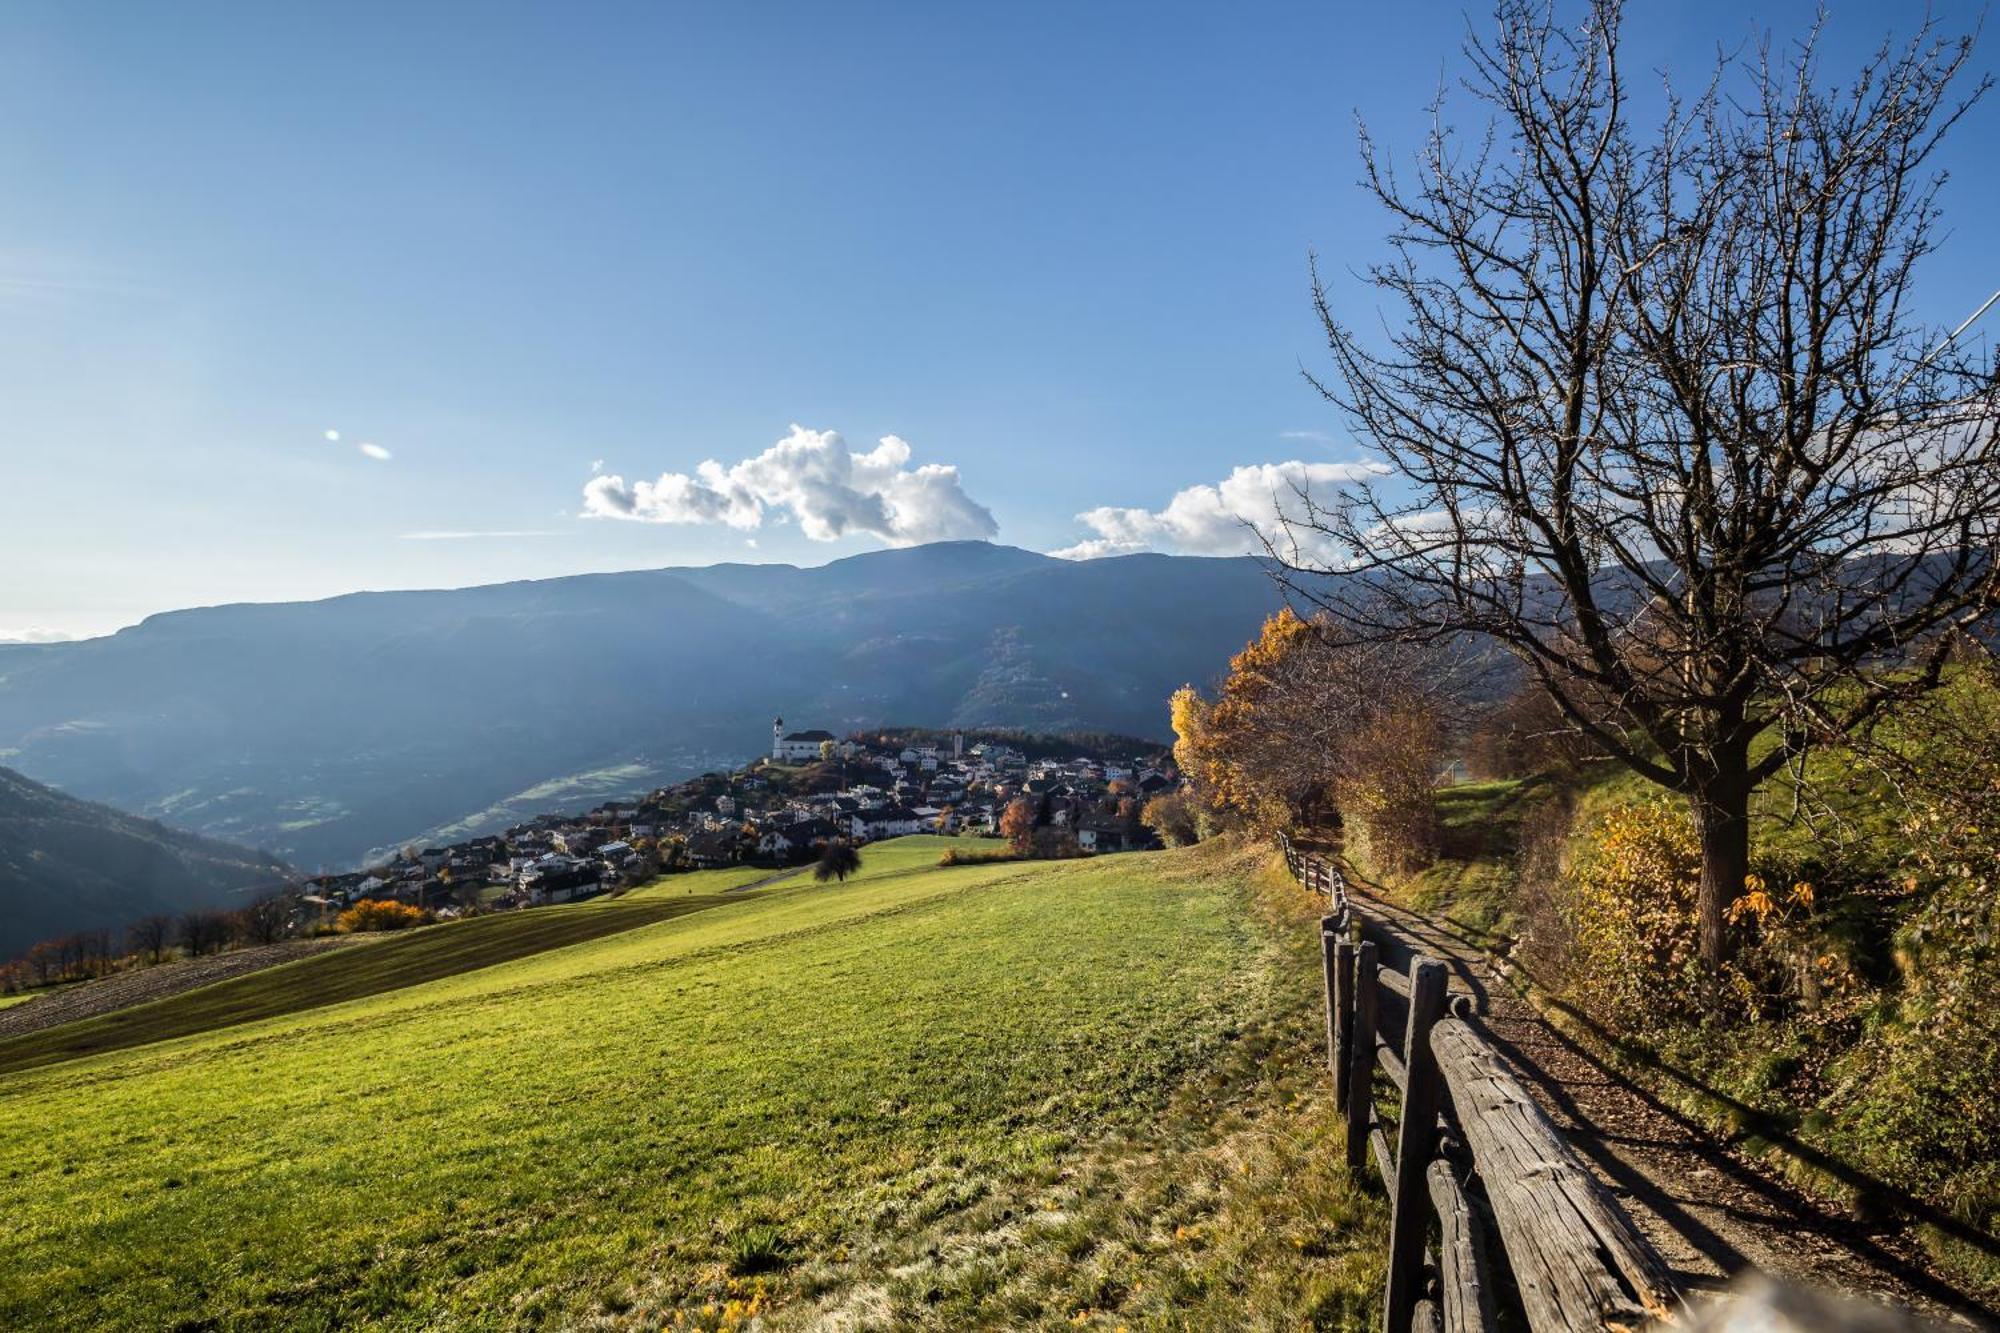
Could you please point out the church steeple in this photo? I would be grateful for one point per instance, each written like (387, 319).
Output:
(777, 737)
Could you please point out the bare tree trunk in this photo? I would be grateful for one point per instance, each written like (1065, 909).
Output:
(1722, 817)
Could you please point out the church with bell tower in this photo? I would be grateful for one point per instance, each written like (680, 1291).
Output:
(797, 747)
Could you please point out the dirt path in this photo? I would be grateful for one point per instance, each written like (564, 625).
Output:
(768, 880)
(1709, 1210)
(125, 989)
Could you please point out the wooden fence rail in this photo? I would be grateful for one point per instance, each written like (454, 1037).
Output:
(1474, 1159)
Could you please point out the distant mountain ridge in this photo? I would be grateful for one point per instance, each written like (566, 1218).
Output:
(68, 865)
(329, 730)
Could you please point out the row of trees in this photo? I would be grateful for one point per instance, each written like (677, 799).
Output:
(1312, 727)
(150, 940)
(1028, 822)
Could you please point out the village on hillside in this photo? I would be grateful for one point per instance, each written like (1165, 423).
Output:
(811, 789)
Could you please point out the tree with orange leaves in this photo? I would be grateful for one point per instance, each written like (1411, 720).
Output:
(1305, 725)
(1017, 823)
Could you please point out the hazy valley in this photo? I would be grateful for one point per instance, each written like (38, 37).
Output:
(323, 732)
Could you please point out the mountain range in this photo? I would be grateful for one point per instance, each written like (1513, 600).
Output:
(70, 865)
(327, 732)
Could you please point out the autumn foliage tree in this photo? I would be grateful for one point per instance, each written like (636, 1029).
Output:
(1171, 817)
(1017, 823)
(1306, 725)
(1264, 748)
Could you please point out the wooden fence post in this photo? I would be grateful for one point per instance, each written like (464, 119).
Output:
(1361, 1058)
(1328, 941)
(1416, 1140)
(1343, 1037)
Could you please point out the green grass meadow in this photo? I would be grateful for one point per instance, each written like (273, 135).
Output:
(1073, 1093)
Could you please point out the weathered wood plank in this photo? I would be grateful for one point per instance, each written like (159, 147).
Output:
(1424, 1318)
(1328, 944)
(1567, 1242)
(1392, 1063)
(1465, 1291)
(1385, 1161)
(1343, 989)
(1393, 980)
(1416, 1137)
(1361, 1069)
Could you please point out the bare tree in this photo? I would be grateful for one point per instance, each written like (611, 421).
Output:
(94, 951)
(267, 920)
(1654, 411)
(206, 931)
(150, 935)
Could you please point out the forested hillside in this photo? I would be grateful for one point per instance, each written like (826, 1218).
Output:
(71, 865)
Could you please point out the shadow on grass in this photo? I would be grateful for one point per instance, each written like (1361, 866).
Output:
(344, 974)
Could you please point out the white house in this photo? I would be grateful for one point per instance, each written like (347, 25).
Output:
(885, 822)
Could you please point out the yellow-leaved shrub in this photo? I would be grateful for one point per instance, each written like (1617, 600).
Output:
(380, 914)
(1637, 954)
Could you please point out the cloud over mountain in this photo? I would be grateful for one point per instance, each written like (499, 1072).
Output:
(1232, 517)
(814, 478)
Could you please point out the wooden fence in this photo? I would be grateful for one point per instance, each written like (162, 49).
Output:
(1473, 1160)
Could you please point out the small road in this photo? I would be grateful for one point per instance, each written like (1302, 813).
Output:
(1709, 1210)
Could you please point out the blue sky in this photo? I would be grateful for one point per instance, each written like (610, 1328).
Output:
(1061, 249)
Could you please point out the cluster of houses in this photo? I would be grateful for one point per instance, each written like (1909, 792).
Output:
(550, 859)
(814, 789)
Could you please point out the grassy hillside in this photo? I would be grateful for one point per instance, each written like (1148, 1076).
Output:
(385, 965)
(1016, 1094)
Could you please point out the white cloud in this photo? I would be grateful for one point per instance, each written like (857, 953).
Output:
(333, 437)
(1231, 517)
(36, 634)
(1315, 436)
(375, 451)
(813, 477)
(596, 466)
